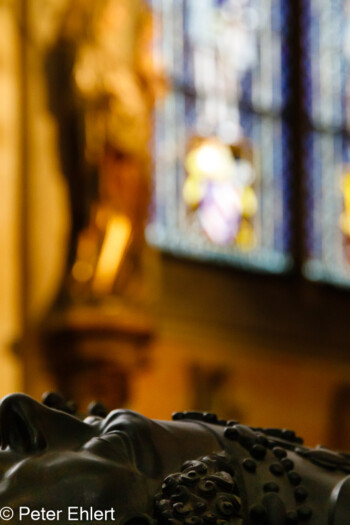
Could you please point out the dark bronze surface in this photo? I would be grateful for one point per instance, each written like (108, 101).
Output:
(194, 470)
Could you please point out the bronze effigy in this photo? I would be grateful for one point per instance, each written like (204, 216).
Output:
(121, 467)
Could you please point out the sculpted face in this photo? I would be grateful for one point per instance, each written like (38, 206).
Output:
(53, 460)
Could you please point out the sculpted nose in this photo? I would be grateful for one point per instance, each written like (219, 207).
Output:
(27, 426)
(18, 424)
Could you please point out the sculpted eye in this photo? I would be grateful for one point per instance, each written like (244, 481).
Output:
(97, 446)
(135, 430)
(119, 439)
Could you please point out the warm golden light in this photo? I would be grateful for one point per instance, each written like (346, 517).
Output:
(249, 202)
(193, 191)
(344, 220)
(346, 190)
(246, 238)
(212, 159)
(117, 237)
(344, 223)
(82, 271)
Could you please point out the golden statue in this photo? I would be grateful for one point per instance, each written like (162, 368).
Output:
(101, 82)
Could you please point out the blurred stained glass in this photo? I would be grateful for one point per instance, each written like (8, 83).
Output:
(326, 68)
(221, 145)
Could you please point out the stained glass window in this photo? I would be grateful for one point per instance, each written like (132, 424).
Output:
(221, 146)
(326, 76)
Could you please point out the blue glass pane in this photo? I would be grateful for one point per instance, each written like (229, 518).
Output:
(326, 45)
(327, 62)
(232, 49)
(228, 71)
(328, 233)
